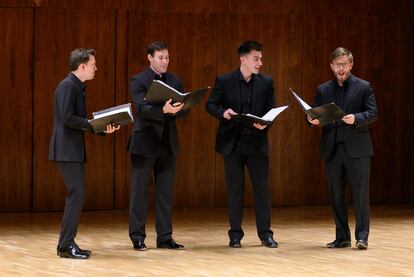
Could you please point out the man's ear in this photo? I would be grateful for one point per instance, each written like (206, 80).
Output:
(242, 59)
(150, 57)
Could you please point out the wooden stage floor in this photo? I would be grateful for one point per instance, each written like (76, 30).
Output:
(28, 245)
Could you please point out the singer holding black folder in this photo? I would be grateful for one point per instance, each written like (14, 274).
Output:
(346, 147)
(153, 146)
(244, 90)
(67, 146)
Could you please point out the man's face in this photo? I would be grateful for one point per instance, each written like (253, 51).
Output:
(252, 61)
(89, 68)
(159, 61)
(341, 67)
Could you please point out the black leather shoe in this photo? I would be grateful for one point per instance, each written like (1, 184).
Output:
(339, 244)
(169, 244)
(362, 244)
(84, 251)
(72, 251)
(234, 243)
(139, 245)
(270, 242)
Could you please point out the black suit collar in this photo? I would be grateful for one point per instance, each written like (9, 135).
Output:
(241, 77)
(156, 76)
(77, 82)
(349, 90)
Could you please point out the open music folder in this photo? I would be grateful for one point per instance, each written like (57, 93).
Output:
(159, 92)
(267, 119)
(325, 113)
(118, 115)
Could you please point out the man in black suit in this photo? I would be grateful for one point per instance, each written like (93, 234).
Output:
(346, 147)
(244, 90)
(67, 146)
(153, 146)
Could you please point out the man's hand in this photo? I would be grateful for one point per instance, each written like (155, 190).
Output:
(172, 108)
(349, 119)
(228, 113)
(111, 128)
(313, 121)
(259, 126)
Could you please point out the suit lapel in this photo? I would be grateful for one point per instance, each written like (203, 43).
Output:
(349, 92)
(332, 95)
(237, 90)
(255, 93)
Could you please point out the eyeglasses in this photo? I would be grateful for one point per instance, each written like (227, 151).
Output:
(341, 65)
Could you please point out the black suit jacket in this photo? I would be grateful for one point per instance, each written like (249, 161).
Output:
(69, 121)
(360, 101)
(150, 120)
(226, 94)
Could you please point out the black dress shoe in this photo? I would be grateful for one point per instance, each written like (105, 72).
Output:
(339, 244)
(139, 245)
(362, 244)
(235, 243)
(270, 242)
(83, 251)
(169, 244)
(72, 251)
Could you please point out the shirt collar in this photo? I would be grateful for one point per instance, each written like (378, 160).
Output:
(241, 78)
(156, 75)
(78, 82)
(346, 83)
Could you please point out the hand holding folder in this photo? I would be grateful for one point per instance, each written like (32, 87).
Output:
(118, 115)
(325, 113)
(159, 92)
(267, 119)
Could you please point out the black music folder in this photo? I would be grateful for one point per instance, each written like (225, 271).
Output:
(267, 119)
(159, 92)
(325, 113)
(118, 115)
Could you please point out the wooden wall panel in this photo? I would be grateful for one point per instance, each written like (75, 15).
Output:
(401, 57)
(377, 59)
(192, 6)
(192, 57)
(81, 4)
(281, 36)
(16, 83)
(122, 164)
(280, 7)
(202, 35)
(53, 43)
(17, 4)
(322, 34)
(343, 9)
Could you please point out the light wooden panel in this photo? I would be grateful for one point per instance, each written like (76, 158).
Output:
(193, 58)
(122, 165)
(302, 233)
(53, 43)
(281, 36)
(16, 87)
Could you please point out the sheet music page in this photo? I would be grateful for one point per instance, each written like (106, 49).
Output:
(125, 109)
(301, 102)
(273, 113)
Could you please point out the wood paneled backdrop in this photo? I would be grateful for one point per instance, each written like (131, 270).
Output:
(36, 37)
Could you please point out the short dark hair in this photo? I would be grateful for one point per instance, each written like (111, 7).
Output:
(156, 46)
(248, 46)
(80, 56)
(341, 51)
